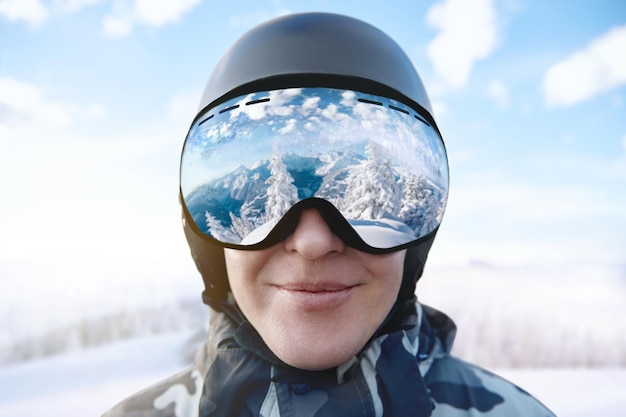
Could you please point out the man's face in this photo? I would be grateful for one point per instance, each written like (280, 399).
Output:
(314, 300)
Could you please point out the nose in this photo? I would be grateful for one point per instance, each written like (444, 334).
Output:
(313, 238)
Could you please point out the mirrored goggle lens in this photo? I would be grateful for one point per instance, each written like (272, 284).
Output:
(246, 162)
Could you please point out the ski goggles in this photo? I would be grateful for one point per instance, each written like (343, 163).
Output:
(375, 168)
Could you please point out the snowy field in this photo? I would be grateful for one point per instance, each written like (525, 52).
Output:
(560, 334)
(88, 382)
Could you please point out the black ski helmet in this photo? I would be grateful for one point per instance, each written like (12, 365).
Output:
(309, 50)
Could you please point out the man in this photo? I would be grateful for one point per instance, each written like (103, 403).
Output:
(313, 181)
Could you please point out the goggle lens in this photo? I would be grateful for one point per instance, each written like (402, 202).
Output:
(248, 161)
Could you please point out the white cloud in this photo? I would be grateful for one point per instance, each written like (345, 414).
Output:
(36, 12)
(440, 109)
(86, 177)
(125, 14)
(496, 219)
(467, 33)
(182, 108)
(96, 112)
(25, 103)
(21, 102)
(74, 5)
(118, 23)
(31, 11)
(532, 205)
(252, 19)
(116, 26)
(161, 12)
(597, 68)
(499, 93)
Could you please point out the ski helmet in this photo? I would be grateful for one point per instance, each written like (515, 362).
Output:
(312, 68)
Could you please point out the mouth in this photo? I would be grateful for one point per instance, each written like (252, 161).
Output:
(323, 296)
(315, 288)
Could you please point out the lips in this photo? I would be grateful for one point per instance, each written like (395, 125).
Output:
(316, 287)
(316, 296)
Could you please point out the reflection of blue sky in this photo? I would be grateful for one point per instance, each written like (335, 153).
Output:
(308, 122)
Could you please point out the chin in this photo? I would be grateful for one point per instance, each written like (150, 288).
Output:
(313, 357)
(315, 364)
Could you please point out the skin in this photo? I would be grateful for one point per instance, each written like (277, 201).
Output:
(315, 301)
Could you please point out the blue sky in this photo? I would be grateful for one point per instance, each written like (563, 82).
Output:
(96, 97)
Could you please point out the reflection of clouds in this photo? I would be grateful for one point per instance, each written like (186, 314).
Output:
(330, 111)
(309, 105)
(276, 106)
(215, 133)
(314, 121)
(225, 130)
(280, 111)
(278, 100)
(346, 113)
(343, 119)
(290, 126)
(371, 115)
(311, 124)
(254, 112)
(348, 98)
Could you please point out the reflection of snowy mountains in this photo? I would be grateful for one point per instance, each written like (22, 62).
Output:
(246, 198)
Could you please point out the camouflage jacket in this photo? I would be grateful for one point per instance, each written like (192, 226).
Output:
(407, 372)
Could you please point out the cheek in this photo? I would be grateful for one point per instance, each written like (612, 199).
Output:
(244, 270)
(389, 267)
(386, 271)
(389, 270)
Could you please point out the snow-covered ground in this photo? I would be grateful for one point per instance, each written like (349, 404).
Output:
(559, 333)
(88, 382)
(575, 392)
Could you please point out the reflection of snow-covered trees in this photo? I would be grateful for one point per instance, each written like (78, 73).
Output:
(217, 230)
(281, 193)
(373, 190)
(376, 190)
(422, 205)
(263, 202)
(370, 189)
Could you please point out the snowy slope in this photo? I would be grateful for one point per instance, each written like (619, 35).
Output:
(88, 382)
(549, 324)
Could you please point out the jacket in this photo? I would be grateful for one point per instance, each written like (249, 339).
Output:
(407, 371)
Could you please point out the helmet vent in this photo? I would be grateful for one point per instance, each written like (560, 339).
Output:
(206, 120)
(421, 119)
(361, 100)
(364, 100)
(262, 100)
(236, 106)
(401, 110)
(396, 108)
